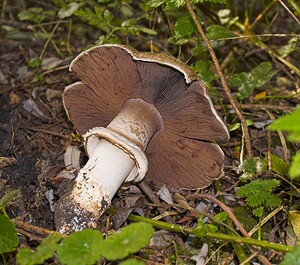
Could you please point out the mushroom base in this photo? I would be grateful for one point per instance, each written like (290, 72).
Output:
(116, 154)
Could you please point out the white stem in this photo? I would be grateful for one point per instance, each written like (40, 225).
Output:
(116, 154)
(106, 170)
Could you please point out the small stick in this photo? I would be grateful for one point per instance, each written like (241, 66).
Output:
(48, 132)
(31, 228)
(222, 79)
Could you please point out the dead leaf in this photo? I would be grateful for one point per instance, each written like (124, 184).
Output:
(52, 93)
(165, 194)
(72, 158)
(31, 107)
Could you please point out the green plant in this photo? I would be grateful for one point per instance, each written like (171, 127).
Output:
(86, 247)
(259, 197)
(290, 123)
(8, 233)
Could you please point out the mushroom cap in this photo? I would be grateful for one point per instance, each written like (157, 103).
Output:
(183, 153)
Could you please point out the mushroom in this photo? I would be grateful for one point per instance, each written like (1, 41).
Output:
(128, 105)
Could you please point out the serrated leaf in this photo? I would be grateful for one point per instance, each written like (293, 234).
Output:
(43, 252)
(130, 240)
(184, 26)
(215, 32)
(80, 248)
(68, 11)
(294, 170)
(8, 235)
(292, 258)
(132, 261)
(258, 212)
(290, 123)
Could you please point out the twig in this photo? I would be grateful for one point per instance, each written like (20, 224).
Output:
(222, 205)
(48, 132)
(257, 106)
(258, 18)
(289, 11)
(222, 79)
(49, 39)
(31, 228)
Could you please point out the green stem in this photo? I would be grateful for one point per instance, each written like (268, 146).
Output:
(191, 231)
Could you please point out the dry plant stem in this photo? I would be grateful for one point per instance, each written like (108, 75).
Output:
(222, 79)
(259, 17)
(31, 228)
(289, 11)
(265, 220)
(49, 39)
(66, 137)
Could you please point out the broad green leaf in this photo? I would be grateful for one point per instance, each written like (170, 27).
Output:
(257, 77)
(215, 32)
(130, 240)
(290, 47)
(81, 248)
(263, 73)
(8, 235)
(43, 252)
(202, 68)
(294, 170)
(69, 10)
(279, 165)
(292, 258)
(184, 26)
(132, 261)
(290, 123)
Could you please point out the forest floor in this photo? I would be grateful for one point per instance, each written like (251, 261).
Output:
(35, 132)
